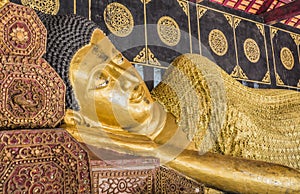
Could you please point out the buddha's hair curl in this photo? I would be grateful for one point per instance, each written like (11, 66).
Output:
(66, 34)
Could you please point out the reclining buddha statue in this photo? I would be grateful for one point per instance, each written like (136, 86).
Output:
(198, 120)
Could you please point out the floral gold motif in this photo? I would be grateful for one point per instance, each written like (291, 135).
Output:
(229, 19)
(21, 32)
(184, 5)
(46, 6)
(267, 77)
(278, 79)
(168, 31)
(118, 19)
(32, 94)
(287, 58)
(42, 161)
(146, 57)
(19, 35)
(251, 50)
(218, 42)
(238, 73)
(201, 11)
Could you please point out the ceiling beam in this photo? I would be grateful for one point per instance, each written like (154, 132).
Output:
(281, 13)
(250, 5)
(264, 7)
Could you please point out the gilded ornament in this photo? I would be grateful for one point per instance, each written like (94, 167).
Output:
(118, 19)
(43, 161)
(287, 58)
(267, 78)
(184, 5)
(238, 73)
(251, 50)
(201, 11)
(218, 42)
(236, 22)
(296, 38)
(146, 57)
(32, 94)
(229, 18)
(45, 6)
(278, 79)
(22, 32)
(273, 32)
(261, 28)
(168, 31)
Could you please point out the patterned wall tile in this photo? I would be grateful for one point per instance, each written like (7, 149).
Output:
(285, 48)
(123, 22)
(217, 37)
(251, 51)
(168, 33)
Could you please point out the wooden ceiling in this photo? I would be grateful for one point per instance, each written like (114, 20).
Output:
(272, 11)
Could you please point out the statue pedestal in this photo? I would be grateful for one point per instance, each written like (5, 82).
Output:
(52, 161)
(119, 173)
(43, 161)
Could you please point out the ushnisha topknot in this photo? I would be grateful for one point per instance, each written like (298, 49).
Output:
(66, 34)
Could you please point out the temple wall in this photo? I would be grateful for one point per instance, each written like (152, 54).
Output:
(151, 33)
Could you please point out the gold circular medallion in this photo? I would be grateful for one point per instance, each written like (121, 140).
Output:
(45, 6)
(287, 58)
(118, 19)
(251, 50)
(218, 42)
(168, 31)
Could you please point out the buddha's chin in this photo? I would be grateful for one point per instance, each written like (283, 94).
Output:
(154, 120)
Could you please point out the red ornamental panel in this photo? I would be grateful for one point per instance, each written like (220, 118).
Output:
(32, 94)
(42, 161)
(21, 32)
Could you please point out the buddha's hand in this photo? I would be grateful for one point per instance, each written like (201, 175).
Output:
(121, 141)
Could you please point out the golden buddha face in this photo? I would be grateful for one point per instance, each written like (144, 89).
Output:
(107, 87)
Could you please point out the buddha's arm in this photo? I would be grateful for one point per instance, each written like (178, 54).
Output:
(215, 170)
(237, 175)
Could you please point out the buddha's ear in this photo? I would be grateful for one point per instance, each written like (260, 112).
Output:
(97, 36)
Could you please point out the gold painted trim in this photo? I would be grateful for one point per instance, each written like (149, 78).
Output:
(273, 32)
(238, 73)
(168, 31)
(267, 77)
(218, 42)
(184, 5)
(146, 56)
(90, 12)
(261, 28)
(287, 58)
(229, 18)
(279, 80)
(46, 6)
(74, 6)
(251, 50)
(113, 13)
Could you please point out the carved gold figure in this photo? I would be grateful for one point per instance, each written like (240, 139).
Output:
(228, 135)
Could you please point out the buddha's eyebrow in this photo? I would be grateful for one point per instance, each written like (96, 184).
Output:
(100, 54)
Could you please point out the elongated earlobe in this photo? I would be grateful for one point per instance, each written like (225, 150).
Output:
(97, 36)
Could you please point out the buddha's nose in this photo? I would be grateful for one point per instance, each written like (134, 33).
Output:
(129, 79)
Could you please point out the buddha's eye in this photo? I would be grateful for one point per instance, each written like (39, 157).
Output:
(101, 81)
(118, 59)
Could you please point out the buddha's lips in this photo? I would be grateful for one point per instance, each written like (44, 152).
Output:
(137, 95)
